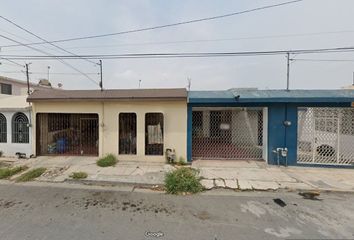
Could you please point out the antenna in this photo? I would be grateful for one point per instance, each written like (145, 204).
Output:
(48, 68)
(139, 82)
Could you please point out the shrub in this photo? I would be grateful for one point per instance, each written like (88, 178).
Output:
(8, 172)
(183, 180)
(78, 175)
(30, 175)
(107, 161)
(181, 161)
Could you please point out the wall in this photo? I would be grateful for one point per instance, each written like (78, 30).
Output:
(9, 149)
(175, 123)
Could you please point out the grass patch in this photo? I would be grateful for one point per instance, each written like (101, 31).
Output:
(183, 180)
(30, 175)
(107, 161)
(78, 175)
(8, 172)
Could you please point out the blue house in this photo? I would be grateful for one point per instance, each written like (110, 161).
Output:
(296, 127)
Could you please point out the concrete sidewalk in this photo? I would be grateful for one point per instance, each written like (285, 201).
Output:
(257, 175)
(237, 175)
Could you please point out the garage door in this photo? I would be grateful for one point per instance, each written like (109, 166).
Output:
(67, 134)
(227, 133)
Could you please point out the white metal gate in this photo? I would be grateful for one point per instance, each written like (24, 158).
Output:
(326, 136)
(227, 133)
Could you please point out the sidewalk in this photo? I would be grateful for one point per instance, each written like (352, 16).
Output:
(257, 175)
(237, 175)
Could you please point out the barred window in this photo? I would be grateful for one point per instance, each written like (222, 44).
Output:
(20, 128)
(3, 129)
(6, 88)
(154, 134)
(127, 133)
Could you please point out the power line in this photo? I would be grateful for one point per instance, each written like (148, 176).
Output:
(184, 55)
(33, 34)
(43, 52)
(52, 73)
(203, 40)
(163, 26)
(11, 61)
(321, 60)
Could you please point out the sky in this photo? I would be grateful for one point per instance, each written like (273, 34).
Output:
(311, 21)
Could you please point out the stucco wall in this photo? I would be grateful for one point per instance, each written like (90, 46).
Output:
(175, 123)
(9, 149)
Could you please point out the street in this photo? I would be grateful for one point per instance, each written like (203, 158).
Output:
(51, 212)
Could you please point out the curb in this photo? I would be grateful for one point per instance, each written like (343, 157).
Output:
(111, 183)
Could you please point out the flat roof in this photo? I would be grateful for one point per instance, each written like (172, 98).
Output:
(111, 94)
(270, 96)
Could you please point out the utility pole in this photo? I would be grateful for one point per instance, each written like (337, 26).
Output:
(139, 82)
(101, 81)
(353, 80)
(27, 76)
(288, 71)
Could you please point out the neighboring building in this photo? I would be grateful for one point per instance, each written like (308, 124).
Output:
(15, 126)
(10, 86)
(296, 127)
(136, 125)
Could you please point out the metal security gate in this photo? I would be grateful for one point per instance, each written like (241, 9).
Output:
(67, 134)
(227, 133)
(326, 136)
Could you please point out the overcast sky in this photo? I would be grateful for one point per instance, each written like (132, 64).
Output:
(58, 19)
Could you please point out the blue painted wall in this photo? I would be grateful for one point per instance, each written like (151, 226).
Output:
(281, 136)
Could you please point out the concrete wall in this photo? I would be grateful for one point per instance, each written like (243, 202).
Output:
(9, 149)
(175, 123)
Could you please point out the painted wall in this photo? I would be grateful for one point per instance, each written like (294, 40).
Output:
(175, 124)
(9, 149)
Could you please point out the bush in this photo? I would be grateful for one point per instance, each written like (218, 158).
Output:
(78, 175)
(181, 161)
(107, 161)
(8, 172)
(30, 175)
(183, 180)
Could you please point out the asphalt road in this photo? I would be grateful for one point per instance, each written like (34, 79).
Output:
(32, 212)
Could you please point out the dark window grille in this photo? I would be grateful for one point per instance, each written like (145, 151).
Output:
(127, 133)
(154, 131)
(3, 129)
(6, 89)
(67, 134)
(20, 128)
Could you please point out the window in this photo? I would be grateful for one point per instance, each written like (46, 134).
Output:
(3, 129)
(6, 88)
(127, 133)
(20, 128)
(154, 134)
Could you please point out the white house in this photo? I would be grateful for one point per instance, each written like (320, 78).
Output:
(15, 125)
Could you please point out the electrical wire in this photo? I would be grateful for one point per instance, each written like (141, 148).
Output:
(184, 55)
(11, 61)
(33, 34)
(52, 73)
(161, 26)
(48, 54)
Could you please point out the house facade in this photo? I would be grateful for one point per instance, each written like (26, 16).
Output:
(135, 125)
(15, 126)
(296, 127)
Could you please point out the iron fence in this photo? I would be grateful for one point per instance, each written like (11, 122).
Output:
(326, 136)
(227, 133)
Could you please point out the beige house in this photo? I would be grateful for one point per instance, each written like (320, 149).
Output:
(136, 125)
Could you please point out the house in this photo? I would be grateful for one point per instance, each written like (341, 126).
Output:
(133, 124)
(296, 127)
(15, 123)
(10, 86)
